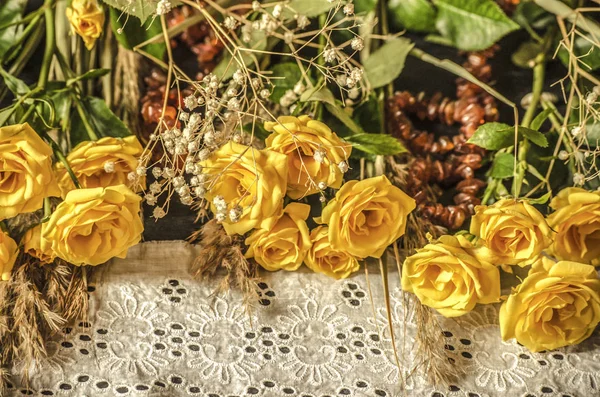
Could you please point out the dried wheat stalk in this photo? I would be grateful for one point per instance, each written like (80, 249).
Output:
(220, 251)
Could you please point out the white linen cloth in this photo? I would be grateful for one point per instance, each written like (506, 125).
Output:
(155, 331)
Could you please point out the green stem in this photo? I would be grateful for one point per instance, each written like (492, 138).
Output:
(50, 43)
(321, 62)
(539, 73)
(61, 157)
(28, 113)
(86, 123)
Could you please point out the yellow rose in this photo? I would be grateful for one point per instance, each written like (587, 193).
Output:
(250, 180)
(576, 219)
(514, 231)
(558, 304)
(322, 258)
(101, 163)
(87, 19)
(8, 255)
(366, 216)
(26, 176)
(32, 245)
(94, 225)
(450, 276)
(284, 245)
(299, 139)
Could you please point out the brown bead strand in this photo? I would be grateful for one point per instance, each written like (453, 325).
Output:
(444, 162)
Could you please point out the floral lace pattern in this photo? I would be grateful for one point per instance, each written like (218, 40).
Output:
(154, 331)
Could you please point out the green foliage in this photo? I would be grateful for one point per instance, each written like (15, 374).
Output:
(502, 166)
(14, 84)
(142, 9)
(537, 122)
(319, 94)
(11, 11)
(134, 33)
(588, 54)
(102, 119)
(378, 144)
(472, 24)
(89, 75)
(496, 136)
(525, 54)
(415, 15)
(285, 76)
(311, 8)
(493, 136)
(385, 64)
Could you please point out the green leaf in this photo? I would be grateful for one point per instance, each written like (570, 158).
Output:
(378, 144)
(344, 117)
(538, 121)
(503, 166)
(285, 76)
(227, 67)
(588, 54)
(525, 54)
(90, 74)
(493, 136)
(592, 134)
(417, 15)
(10, 11)
(369, 114)
(541, 200)
(385, 64)
(14, 84)
(134, 33)
(319, 94)
(472, 24)
(142, 9)
(364, 6)
(102, 119)
(310, 8)
(534, 136)
(528, 13)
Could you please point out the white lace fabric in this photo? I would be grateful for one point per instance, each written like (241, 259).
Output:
(155, 331)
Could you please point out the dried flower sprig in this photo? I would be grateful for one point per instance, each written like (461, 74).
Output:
(226, 105)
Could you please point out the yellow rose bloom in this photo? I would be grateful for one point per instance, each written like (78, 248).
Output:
(8, 255)
(366, 216)
(32, 245)
(249, 179)
(322, 258)
(87, 20)
(576, 219)
(450, 276)
(283, 246)
(514, 231)
(26, 176)
(94, 225)
(299, 138)
(558, 304)
(102, 163)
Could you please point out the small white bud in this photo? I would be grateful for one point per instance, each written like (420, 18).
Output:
(578, 179)
(322, 185)
(109, 167)
(141, 171)
(158, 213)
(320, 156)
(343, 166)
(322, 199)
(563, 155)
